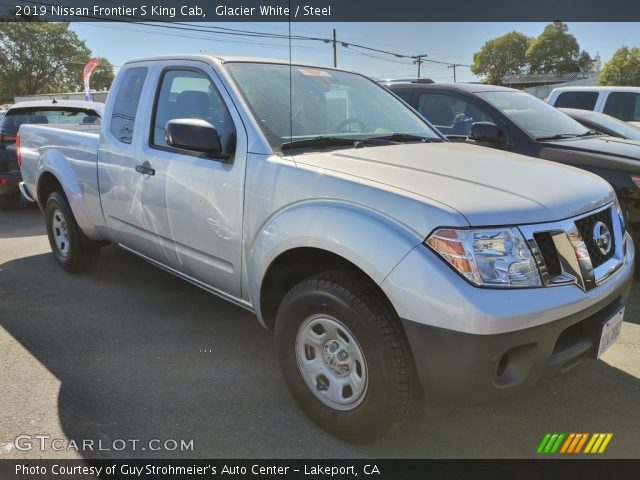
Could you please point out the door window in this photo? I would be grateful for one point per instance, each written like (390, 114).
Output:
(191, 94)
(451, 115)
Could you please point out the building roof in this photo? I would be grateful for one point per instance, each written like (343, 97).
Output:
(545, 78)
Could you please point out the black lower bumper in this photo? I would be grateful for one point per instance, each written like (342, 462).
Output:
(471, 368)
(9, 182)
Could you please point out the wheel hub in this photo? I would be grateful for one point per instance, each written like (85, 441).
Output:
(331, 362)
(60, 231)
(337, 358)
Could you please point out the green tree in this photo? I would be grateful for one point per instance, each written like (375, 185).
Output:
(585, 62)
(501, 56)
(555, 50)
(102, 76)
(39, 57)
(623, 69)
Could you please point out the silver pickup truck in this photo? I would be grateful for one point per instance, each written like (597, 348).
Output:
(392, 265)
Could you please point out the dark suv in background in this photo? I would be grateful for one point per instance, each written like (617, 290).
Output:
(35, 112)
(513, 120)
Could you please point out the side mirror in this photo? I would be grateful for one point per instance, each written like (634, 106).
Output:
(487, 132)
(195, 135)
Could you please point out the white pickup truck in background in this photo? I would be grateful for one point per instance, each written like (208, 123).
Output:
(622, 103)
(387, 261)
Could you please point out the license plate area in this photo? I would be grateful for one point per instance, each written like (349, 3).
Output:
(610, 332)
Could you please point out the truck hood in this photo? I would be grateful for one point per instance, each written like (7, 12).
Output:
(610, 146)
(487, 186)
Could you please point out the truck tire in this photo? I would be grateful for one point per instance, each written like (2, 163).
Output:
(71, 248)
(345, 357)
(9, 202)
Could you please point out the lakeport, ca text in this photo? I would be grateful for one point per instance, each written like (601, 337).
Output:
(200, 470)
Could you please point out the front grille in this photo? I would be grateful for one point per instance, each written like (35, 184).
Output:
(549, 253)
(566, 251)
(585, 227)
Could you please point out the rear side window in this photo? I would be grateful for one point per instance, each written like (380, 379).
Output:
(581, 100)
(126, 104)
(623, 105)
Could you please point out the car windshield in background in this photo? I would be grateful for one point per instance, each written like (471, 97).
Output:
(537, 118)
(610, 125)
(325, 103)
(60, 116)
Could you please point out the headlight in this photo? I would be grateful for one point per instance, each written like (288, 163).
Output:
(496, 257)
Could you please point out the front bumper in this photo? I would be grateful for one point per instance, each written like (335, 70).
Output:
(9, 182)
(476, 344)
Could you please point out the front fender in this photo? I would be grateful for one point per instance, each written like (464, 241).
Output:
(56, 164)
(370, 240)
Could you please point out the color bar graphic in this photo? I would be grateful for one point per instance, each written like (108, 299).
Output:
(598, 442)
(573, 443)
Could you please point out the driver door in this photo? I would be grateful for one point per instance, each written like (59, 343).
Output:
(203, 196)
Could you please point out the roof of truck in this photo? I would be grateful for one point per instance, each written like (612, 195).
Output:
(225, 59)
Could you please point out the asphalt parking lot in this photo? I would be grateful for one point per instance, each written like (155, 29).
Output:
(131, 352)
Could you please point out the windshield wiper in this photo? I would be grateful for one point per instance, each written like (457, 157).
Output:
(590, 133)
(559, 136)
(401, 138)
(320, 142)
(327, 141)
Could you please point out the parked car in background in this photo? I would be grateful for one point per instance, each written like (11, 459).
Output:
(604, 123)
(35, 112)
(385, 259)
(2, 114)
(620, 102)
(515, 121)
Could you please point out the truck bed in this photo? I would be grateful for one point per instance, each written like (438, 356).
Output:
(70, 153)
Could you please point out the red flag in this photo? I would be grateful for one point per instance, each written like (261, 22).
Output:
(88, 69)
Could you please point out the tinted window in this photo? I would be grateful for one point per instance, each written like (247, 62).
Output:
(46, 115)
(581, 100)
(611, 126)
(403, 94)
(191, 94)
(452, 115)
(623, 105)
(536, 117)
(126, 104)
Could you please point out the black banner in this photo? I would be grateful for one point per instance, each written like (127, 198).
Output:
(320, 469)
(323, 10)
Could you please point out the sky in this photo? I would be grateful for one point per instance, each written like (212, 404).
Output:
(448, 42)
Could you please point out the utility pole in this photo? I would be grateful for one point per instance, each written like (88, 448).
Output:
(418, 60)
(454, 65)
(335, 50)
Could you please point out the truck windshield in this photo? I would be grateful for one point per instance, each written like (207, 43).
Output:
(536, 117)
(323, 103)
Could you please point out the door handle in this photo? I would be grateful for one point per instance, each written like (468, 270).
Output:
(145, 169)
